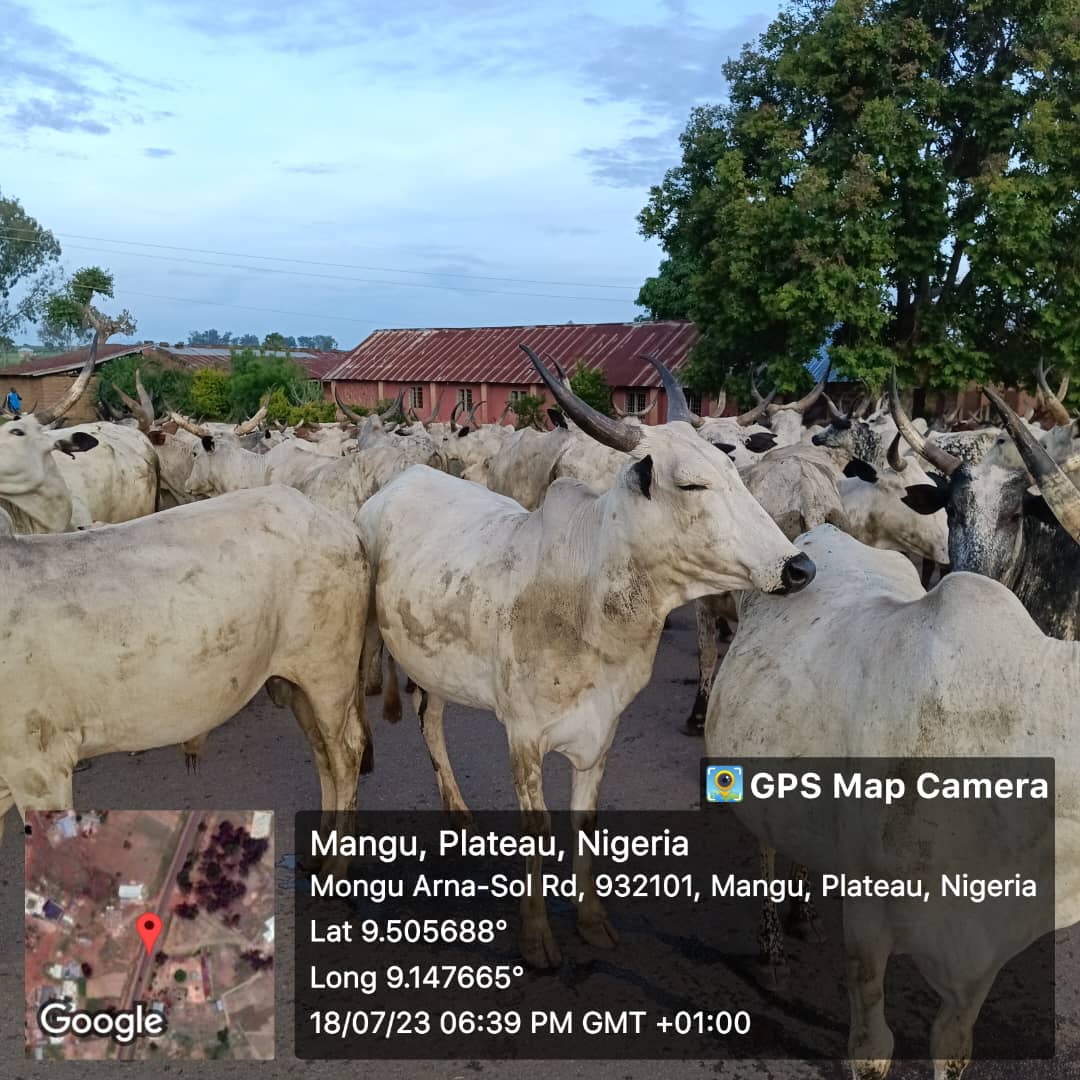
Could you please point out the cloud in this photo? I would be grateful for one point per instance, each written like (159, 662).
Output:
(560, 231)
(635, 162)
(46, 83)
(157, 152)
(65, 114)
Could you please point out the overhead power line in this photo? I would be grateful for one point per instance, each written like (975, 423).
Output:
(333, 265)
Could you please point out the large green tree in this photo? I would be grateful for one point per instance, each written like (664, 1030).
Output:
(29, 257)
(896, 180)
(70, 313)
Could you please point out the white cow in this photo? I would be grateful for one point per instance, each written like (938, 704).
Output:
(186, 614)
(552, 619)
(45, 487)
(867, 664)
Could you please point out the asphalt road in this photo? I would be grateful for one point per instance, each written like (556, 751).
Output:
(260, 761)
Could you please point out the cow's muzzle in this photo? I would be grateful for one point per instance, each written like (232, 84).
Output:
(817, 440)
(797, 573)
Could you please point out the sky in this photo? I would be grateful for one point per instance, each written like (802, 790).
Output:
(336, 166)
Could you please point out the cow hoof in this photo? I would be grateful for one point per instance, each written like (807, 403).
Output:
(694, 726)
(538, 949)
(870, 1070)
(392, 711)
(598, 932)
(462, 818)
(367, 760)
(191, 763)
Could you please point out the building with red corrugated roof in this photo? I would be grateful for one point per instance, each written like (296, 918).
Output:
(485, 367)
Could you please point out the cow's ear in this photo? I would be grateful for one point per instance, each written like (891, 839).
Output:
(79, 443)
(641, 475)
(925, 498)
(208, 443)
(557, 418)
(1036, 506)
(863, 470)
(266, 434)
(462, 432)
(725, 448)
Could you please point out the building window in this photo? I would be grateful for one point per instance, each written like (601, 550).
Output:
(464, 397)
(416, 397)
(636, 400)
(693, 399)
(517, 395)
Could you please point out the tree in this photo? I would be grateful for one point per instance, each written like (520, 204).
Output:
(592, 387)
(210, 394)
(322, 342)
(529, 410)
(254, 376)
(169, 388)
(247, 340)
(210, 337)
(29, 255)
(278, 342)
(71, 310)
(893, 179)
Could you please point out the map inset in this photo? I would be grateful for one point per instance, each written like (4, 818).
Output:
(206, 980)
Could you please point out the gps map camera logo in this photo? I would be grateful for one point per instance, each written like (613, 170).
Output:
(723, 783)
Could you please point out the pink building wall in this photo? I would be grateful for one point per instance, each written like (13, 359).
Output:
(493, 398)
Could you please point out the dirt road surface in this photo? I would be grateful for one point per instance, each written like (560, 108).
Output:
(260, 760)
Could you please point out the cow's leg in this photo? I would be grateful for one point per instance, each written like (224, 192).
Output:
(7, 801)
(337, 731)
(867, 945)
(373, 677)
(537, 943)
(803, 921)
(962, 996)
(391, 702)
(430, 711)
(711, 624)
(593, 923)
(193, 749)
(770, 931)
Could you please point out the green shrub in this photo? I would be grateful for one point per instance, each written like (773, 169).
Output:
(529, 410)
(311, 412)
(210, 394)
(169, 388)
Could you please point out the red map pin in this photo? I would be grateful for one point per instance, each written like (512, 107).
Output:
(148, 928)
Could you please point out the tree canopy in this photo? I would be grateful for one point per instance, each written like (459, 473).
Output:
(29, 257)
(592, 387)
(71, 312)
(894, 179)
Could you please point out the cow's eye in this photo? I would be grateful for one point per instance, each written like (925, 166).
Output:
(17, 431)
(691, 487)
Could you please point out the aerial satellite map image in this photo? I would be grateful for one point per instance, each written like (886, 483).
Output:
(156, 924)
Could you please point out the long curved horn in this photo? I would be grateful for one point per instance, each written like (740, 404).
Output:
(392, 410)
(471, 419)
(1053, 403)
(506, 409)
(895, 458)
(453, 415)
(939, 458)
(75, 391)
(834, 412)
(355, 417)
(804, 403)
(1060, 493)
(145, 400)
(438, 402)
(136, 409)
(639, 413)
(720, 406)
(603, 429)
(756, 413)
(252, 423)
(677, 408)
(189, 425)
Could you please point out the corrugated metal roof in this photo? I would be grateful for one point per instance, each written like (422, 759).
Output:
(491, 354)
(315, 362)
(820, 364)
(69, 361)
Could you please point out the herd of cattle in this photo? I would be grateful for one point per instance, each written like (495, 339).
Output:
(296, 559)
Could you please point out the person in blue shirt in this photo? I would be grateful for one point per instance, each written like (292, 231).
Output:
(13, 403)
